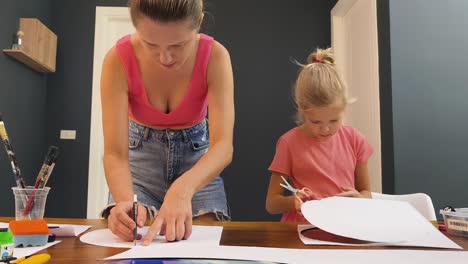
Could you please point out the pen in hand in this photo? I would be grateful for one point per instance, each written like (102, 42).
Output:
(135, 218)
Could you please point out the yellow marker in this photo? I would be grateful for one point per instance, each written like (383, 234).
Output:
(34, 259)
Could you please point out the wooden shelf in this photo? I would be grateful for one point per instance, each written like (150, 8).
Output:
(39, 46)
(28, 60)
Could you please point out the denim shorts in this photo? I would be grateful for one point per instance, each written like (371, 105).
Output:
(158, 157)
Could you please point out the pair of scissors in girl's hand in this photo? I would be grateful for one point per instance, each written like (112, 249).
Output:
(288, 186)
(304, 193)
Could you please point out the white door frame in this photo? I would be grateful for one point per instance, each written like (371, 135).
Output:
(341, 43)
(97, 185)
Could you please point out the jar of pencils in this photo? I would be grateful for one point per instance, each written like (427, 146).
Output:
(30, 202)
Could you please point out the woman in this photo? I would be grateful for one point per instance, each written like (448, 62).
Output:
(156, 87)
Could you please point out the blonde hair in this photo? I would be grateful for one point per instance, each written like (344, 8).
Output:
(319, 83)
(167, 10)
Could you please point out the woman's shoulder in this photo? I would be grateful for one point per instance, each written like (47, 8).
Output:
(113, 69)
(112, 59)
(219, 63)
(219, 53)
(119, 52)
(217, 50)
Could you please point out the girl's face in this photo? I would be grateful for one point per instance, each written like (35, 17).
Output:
(322, 122)
(168, 44)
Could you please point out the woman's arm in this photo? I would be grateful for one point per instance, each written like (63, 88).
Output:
(221, 124)
(176, 210)
(114, 101)
(276, 202)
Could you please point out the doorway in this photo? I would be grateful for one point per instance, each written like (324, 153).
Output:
(355, 43)
(112, 23)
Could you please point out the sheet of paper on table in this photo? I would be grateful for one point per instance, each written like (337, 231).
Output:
(68, 230)
(201, 235)
(392, 222)
(27, 251)
(298, 256)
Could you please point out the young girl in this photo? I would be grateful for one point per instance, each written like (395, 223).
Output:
(321, 157)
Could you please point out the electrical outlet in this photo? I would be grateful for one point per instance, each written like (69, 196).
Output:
(68, 134)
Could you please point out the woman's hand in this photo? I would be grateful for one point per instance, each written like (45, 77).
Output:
(351, 192)
(120, 221)
(174, 219)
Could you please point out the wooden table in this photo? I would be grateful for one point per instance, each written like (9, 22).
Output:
(265, 234)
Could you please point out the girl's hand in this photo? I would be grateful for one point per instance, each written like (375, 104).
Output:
(298, 204)
(174, 219)
(304, 195)
(121, 223)
(350, 192)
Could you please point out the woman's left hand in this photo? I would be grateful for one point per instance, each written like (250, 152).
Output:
(174, 219)
(350, 192)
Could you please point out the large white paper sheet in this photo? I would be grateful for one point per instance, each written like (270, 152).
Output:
(385, 221)
(201, 235)
(3, 225)
(298, 256)
(68, 230)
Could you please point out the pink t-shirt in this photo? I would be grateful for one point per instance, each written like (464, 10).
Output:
(193, 107)
(324, 167)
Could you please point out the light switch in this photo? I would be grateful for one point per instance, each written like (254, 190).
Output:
(68, 134)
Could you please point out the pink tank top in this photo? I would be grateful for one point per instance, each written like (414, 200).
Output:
(193, 107)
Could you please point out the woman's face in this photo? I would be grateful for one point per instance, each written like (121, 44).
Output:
(168, 44)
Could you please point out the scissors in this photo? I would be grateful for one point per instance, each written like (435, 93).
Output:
(288, 186)
(303, 194)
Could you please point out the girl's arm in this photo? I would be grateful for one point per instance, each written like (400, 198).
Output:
(361, 180)
(276, 202)
(361, 187)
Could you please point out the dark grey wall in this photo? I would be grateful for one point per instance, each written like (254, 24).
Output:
(429, 47)
(385, 96)
(69, 105)
(261, 38)
(22, 101)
